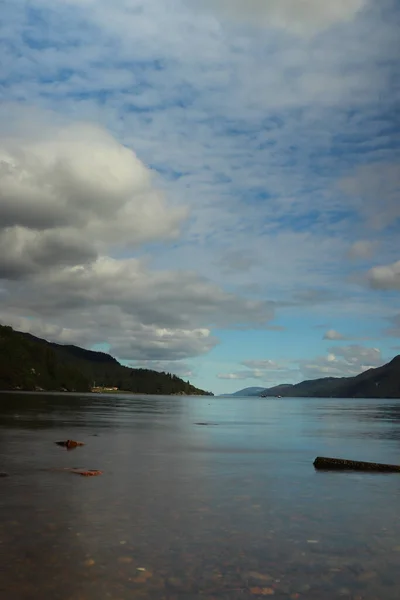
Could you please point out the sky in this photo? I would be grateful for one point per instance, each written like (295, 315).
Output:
(204, 187)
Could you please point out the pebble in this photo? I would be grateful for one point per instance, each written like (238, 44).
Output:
(89, 562)
(125, 559)
(344, 592)
(258, 576)
(175, 582)
(262, 591)
(367, 575)
(142, 577)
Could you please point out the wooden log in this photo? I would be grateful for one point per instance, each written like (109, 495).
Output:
(340, 464)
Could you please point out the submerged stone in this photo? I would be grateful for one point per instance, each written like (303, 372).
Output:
(86, 472)
(69, 444)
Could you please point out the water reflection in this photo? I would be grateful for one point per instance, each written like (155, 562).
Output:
(232, 510)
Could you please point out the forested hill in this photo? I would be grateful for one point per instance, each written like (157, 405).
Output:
(382, 382)
(30, 363)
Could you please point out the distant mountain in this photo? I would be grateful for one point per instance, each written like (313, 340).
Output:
(31, 363)
(250, 391)
(382, 382)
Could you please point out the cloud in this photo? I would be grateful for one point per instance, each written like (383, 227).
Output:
(299, 16)
(126, 337)
(361, 250)
(341, 361)
(334, 335)
(238, 260)
(394, 329)
(74, 202)
(385, 277)
(375, 187)
(155, 344)
(331, 334)
(263, 365)
(142, 314)
(250, 374)
(268, 371)
(72, 190)
(166, 298)
(313, 296)
(24, 251)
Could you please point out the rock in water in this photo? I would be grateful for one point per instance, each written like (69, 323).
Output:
(69, 444)
(86, 472)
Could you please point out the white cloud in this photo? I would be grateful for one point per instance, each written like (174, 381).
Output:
(376, 188)
(142, 314)
(166, 298)
(71, 196)
(251, 374)
(81, 184)
(24, 251)
(269, 371)
(238, 261)
(341, 361)
(362, 249)
(299, 16)
(394, 329)
(385, 277)
(332, 334)
(150, 343)
(263, 365)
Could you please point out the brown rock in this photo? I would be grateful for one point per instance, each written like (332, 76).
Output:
(142, 577)
(69, 444)
(258, 576)
(125, 559)
(89, 562)
(86, 473)
(262, 591)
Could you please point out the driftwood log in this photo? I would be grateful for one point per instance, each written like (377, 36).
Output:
(340, 464)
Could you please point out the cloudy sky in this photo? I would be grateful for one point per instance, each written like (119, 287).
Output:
(207, 187)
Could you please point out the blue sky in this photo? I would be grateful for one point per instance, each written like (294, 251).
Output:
(205, 188)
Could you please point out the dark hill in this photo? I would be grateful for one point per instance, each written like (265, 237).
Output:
(382, 382)
(250, 391)
(31, 363)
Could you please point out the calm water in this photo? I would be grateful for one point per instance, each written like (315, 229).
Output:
(229, 510)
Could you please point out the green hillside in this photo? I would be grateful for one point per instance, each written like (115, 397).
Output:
(30, 363)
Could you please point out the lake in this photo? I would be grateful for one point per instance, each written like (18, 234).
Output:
(231, 509)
